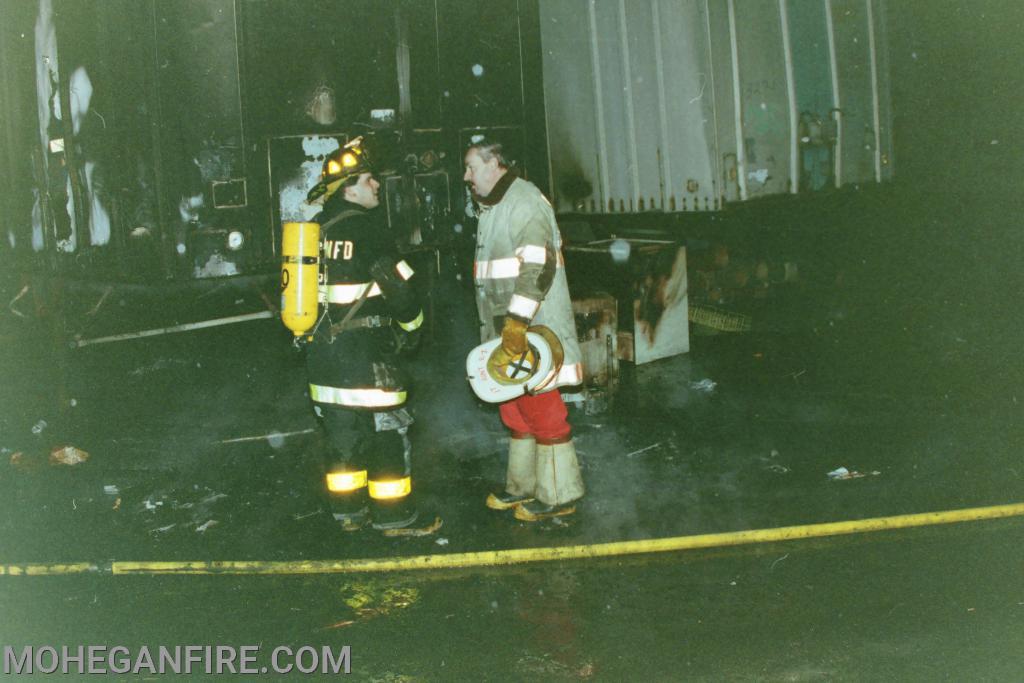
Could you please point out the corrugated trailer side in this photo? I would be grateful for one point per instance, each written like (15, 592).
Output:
(682, 106)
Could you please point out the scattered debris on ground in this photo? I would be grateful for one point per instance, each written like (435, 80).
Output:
(423, 531)
(644, 449)
(843, 473)
(706, 385)
(67, 455)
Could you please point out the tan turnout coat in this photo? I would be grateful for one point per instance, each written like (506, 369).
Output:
(518, 269)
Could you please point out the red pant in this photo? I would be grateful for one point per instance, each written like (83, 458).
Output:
(543, 416)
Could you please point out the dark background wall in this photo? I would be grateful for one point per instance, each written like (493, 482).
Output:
(935, 270)
(956, 77)
(958, 87)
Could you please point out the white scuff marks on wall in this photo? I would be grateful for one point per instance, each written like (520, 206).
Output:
(292, 198)
(48, 109)
(46, 67)
(700, 95)
(99, 219)
(81, 95)
(213, 161)
(318, 147)
(37, 222)
(216, 266)
(69, 244)
(320, 107)
(758, 176)
(189, 207)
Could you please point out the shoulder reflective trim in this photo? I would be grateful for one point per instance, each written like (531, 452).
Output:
(414, 324)
(384, 490)
(404, 269)
(531, 253)
(496, 269)
(347, 294)
(342, 482)
(357, 398)
(523, 307)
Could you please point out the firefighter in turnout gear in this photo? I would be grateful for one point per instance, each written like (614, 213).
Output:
(370, 316)
(520, 281)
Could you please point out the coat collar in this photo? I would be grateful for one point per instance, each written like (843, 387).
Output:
(337, 203)
(498, 191)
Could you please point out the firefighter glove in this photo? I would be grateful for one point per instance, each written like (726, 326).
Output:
(513, 336)
(513, 360)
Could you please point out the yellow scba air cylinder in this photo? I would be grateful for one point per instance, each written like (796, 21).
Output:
(300, 261)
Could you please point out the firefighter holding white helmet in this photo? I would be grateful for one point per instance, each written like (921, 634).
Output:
(370, 313)
(520, 281)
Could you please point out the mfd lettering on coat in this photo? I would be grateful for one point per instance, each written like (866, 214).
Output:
(338, 249)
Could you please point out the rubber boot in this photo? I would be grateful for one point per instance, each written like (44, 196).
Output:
(521, 476)
(559, 483)
(391, 502)
(394, 514)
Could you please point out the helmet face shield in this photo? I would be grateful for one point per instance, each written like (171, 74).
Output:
(351, 160)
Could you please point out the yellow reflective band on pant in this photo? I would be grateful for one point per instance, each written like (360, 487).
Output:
(386, 490)
(413, 324)
(356, 398)
(343, 482)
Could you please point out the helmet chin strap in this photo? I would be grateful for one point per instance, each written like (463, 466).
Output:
(519, 364)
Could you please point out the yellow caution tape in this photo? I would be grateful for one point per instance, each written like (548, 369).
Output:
(518, 556)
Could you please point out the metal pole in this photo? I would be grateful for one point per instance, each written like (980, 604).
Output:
(874, 92)
(836, 104)
(602, 146)
(741, 156)
(175, 328)
(787, 48)
(627, 81)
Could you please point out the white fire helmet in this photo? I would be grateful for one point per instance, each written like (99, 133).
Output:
(521, 376)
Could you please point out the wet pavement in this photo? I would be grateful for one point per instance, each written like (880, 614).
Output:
(203, 447)
(922, 605)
